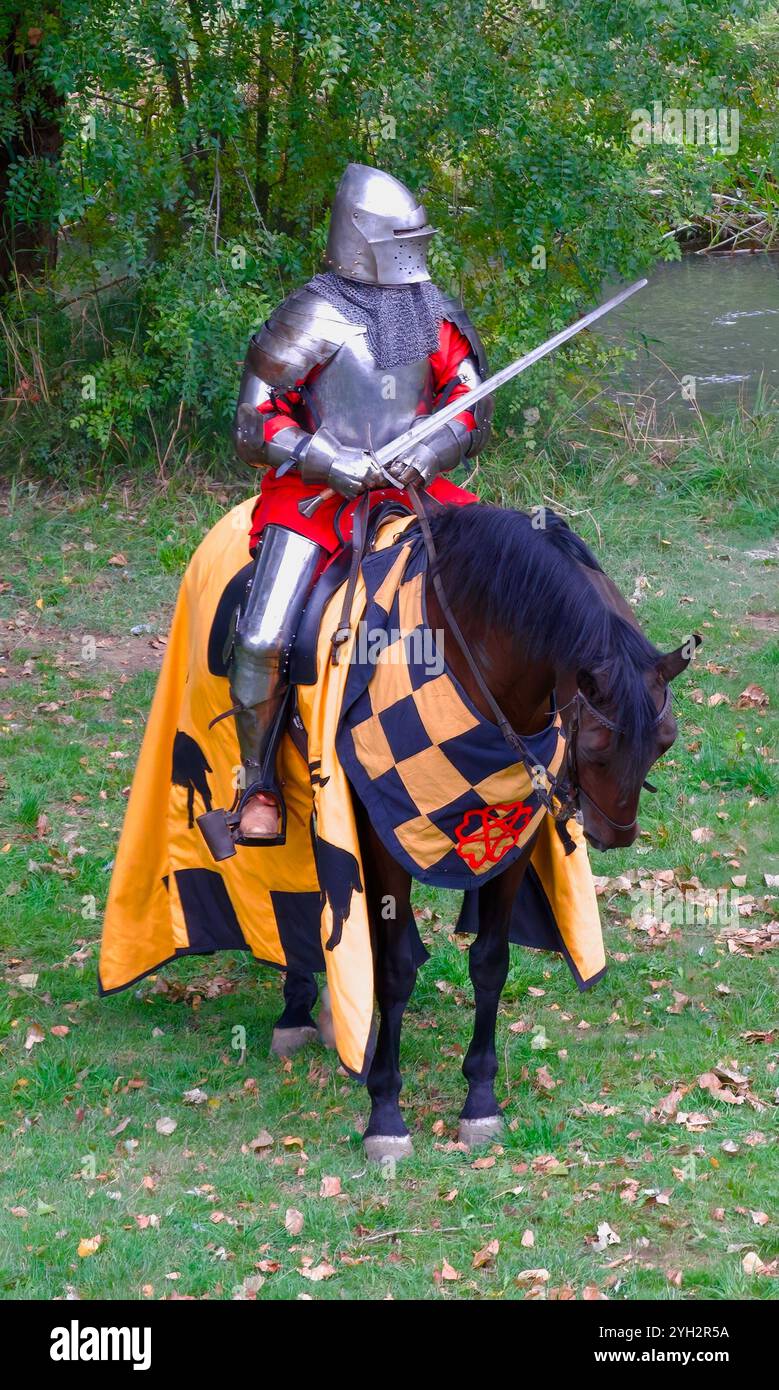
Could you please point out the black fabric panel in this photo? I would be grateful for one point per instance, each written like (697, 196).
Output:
(532, 923)
(232, 595)
(211, 921)
(298, 917)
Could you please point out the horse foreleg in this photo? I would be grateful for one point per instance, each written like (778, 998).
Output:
(295, 1027)
(389, 903)
(488, 963)
(387, 1135)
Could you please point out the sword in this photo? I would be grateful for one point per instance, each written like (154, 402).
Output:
(428, 424)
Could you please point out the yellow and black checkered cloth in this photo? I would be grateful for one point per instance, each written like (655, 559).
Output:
(442, 787)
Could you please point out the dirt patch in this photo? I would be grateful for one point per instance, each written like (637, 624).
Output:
(764, 622)
(103, 653)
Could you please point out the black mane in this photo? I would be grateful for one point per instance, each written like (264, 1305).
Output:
(524, 579)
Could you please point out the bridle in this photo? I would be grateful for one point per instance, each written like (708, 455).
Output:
(560, 794)
(571, 777)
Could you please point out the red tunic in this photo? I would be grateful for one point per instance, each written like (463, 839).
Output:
(278, 501)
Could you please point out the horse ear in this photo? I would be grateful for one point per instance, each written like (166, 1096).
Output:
(677, 661)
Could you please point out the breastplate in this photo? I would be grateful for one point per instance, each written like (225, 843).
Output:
(364, 405)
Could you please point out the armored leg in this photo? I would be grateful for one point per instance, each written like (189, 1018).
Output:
(283, 576)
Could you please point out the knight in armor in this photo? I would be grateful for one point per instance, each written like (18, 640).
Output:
(342, 367)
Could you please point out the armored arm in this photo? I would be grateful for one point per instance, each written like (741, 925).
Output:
(303, 333)
(457, 440)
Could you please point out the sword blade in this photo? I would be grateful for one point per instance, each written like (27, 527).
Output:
(428, 424)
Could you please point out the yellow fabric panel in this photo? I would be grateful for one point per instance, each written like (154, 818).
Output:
(144, 921)
(386, 592)
(441, 710)
(371, 746)
(431, 780)
(410, 604)
(420, 837)
(568, 884)
(395, 682)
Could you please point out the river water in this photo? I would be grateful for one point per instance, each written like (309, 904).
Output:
(714, 319)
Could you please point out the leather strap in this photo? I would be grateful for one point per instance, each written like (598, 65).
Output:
(359, 539)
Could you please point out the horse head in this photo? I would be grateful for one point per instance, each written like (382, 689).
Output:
(610, 755)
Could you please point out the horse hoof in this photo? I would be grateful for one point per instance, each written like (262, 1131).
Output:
(324, 1021)
(379, 1147)
(286, 1041)
(472, 1133)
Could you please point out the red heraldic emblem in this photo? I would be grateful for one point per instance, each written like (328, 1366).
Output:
(484, 836)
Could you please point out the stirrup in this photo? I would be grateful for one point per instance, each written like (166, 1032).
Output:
(221, 829)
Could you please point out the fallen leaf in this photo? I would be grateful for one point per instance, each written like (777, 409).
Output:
(89, 1246)
(165, 1125)
(317, 1272)
(485, 1257)
(528, 1238)
(532, 1276)
(605, 1237)
(754, 697)
(702, 835)
(35, 1034)
(293, 1221)
(145, 1222)
(330, 1187)
(195, 1096)
(264, 1140)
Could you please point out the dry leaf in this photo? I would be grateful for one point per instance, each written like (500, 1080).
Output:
(702, 835)
(330, 1187)
(35, 1034)
(195, 1096)
(483, 1258)
(166, 1125)
(89, 1246)
(528, 1238)
(316, 1273)
(532, 1276)
(264, 1140)
(447, 1273)
(605, 1237)
(754, 697)
(293, 1221)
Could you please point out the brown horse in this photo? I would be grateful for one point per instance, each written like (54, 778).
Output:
(539, 622)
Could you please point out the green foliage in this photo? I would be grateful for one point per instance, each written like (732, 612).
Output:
(166, 134)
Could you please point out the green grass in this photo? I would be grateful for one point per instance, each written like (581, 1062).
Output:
(80, 1153)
